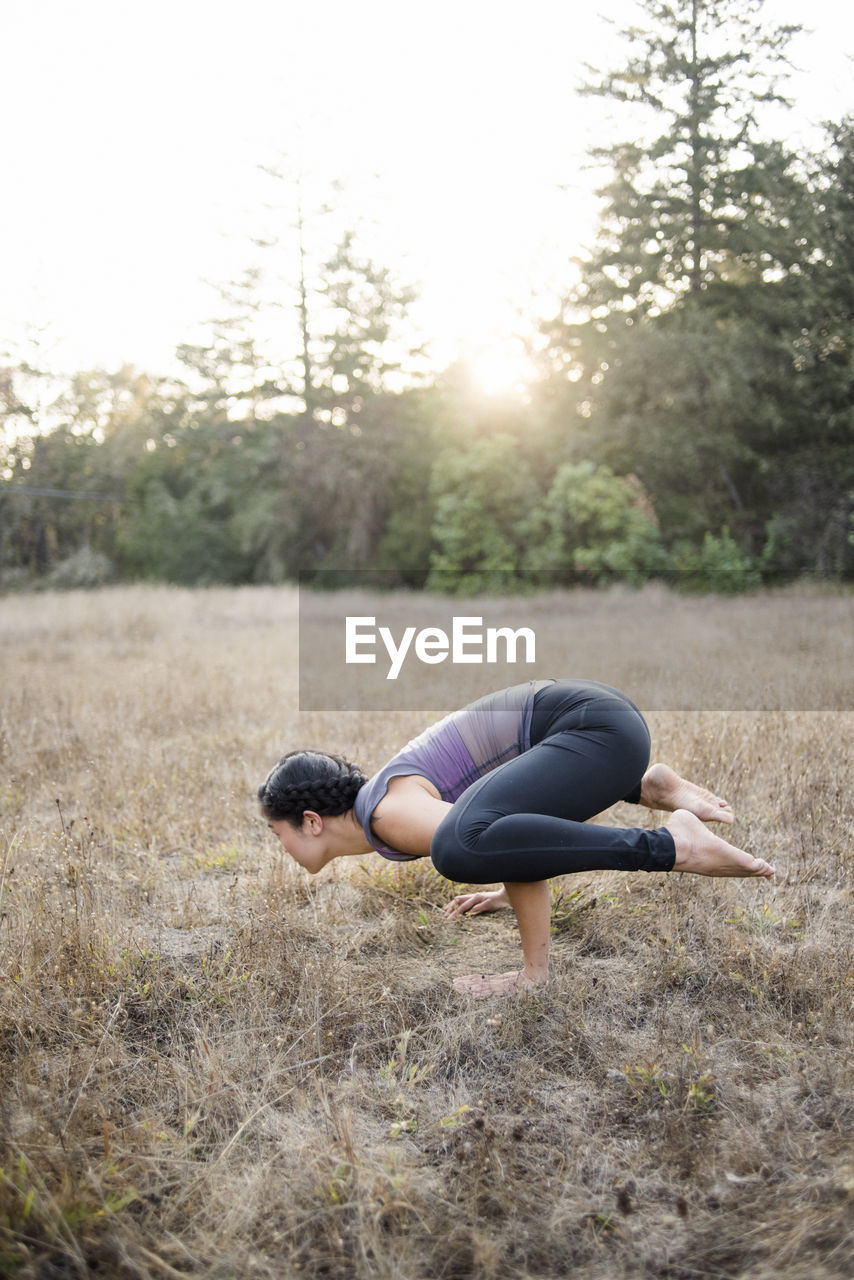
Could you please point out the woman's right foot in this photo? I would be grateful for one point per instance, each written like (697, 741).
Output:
(663, 788)
(700, 851)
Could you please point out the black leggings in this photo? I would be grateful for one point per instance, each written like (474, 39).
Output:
(527, 819)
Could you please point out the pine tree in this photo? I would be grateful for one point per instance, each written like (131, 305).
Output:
(363, 330)
(694, 202)
(812, 480)
(679, 333)
(232, 373)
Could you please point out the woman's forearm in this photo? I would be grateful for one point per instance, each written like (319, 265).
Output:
(531, 903)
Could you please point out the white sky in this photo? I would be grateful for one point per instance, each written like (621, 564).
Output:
(132, 133)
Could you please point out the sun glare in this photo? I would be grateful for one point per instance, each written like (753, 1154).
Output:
(500, 369)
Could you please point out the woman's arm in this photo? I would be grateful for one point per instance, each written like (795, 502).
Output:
(405, 819)
(531, 903)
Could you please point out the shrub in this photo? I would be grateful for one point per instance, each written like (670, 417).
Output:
(482, 497)
(85, 568)
(718, 564)
(593, 525)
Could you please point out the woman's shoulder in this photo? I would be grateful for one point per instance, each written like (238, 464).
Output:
(407, 786)
(408, 814)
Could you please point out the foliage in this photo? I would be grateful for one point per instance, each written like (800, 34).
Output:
(366, 311)
(717, 565)
(182, 495)
(811, 499)
(230, 373)
(694, 406)
(594, 526)
(706, 348)
(691, 196)
(482, 496)
(685, 404)
(83, 568)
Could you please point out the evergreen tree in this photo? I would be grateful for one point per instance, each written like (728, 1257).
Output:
(363, 335)
(292, 241)
(678, 339)
(694, 202)
(697, 409)
(231, 373)
(349, 337)
(811, 484)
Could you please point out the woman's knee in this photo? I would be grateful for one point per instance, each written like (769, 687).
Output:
(632, 736)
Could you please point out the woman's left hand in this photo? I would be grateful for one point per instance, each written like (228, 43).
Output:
(477, 903)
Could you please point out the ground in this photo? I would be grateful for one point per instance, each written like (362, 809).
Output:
(215, 1066)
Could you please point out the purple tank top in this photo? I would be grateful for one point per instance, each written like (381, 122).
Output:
(456, 751)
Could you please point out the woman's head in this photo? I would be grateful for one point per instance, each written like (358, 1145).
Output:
(309, 780)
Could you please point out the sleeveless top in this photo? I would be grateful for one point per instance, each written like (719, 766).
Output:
(455, 752)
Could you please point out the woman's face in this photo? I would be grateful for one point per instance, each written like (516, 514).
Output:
(305, 844)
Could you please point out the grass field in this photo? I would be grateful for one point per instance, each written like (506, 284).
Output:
(215, 1066)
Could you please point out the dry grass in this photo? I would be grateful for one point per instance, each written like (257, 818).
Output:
(213, 1066)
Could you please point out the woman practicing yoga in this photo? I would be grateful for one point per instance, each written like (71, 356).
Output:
(501, 791)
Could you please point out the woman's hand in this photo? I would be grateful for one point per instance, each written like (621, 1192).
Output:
(481, 985)
(476, 903)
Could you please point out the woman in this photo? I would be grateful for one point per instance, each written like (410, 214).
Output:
(501, 791)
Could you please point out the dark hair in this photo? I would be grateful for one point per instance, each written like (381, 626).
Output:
(309, 780)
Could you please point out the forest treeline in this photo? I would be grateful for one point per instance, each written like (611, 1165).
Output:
(691, 412)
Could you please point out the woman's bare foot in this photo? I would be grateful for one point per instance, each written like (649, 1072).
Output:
(662, 788)
(699, 850)
(481, 985)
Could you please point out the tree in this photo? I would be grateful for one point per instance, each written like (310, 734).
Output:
(675, 349)
(693, 205)
(46, 514)
(16, 413)
(593, 526)
(347, 339)
(696, 407)
(812, 485)
(362, 333)
(183, 492)
(482, 497)
(699, 208)
(231, 374)
(100, 424)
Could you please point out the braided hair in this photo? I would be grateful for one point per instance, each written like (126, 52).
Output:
(314, 780)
